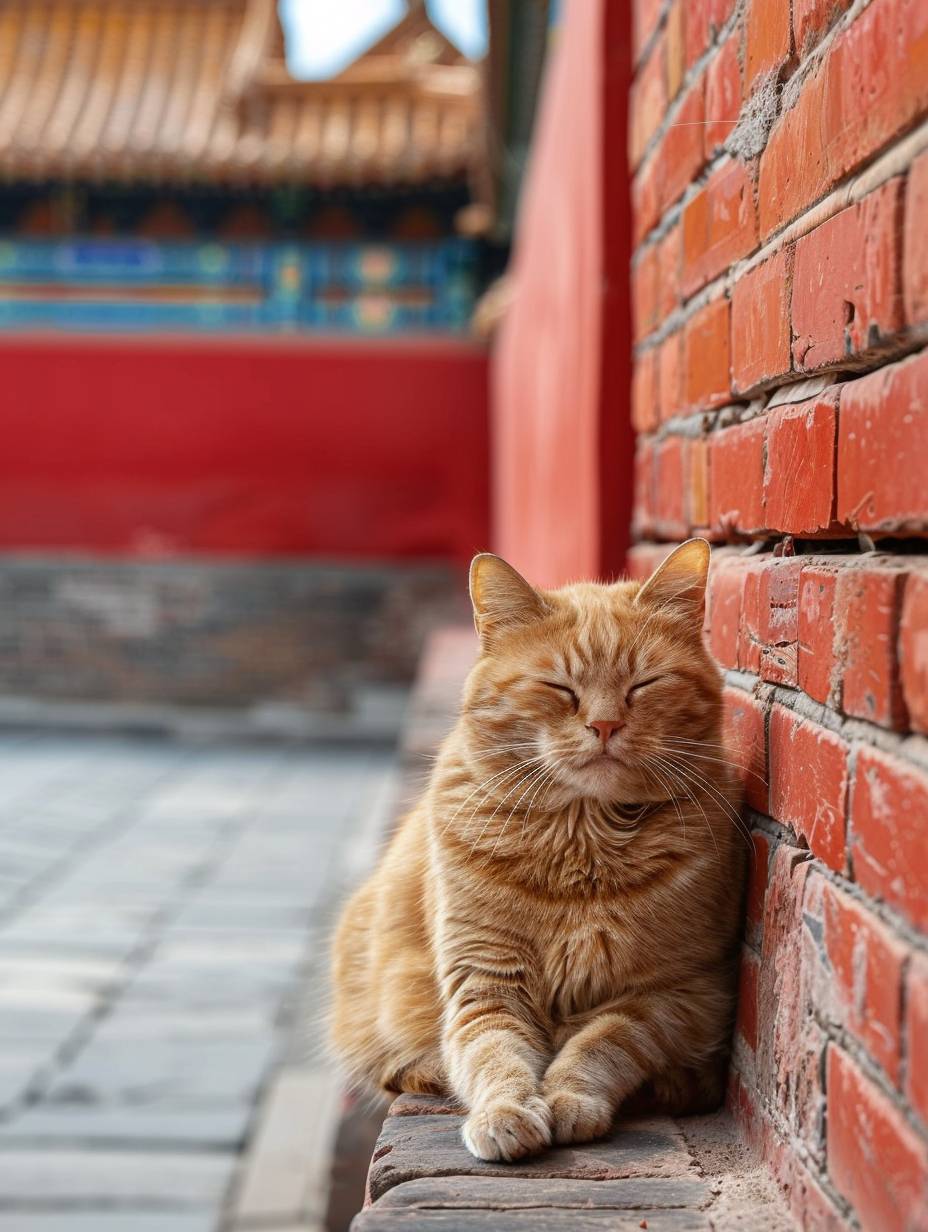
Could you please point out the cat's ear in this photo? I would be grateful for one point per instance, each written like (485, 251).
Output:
(679, 583)
(501, 597)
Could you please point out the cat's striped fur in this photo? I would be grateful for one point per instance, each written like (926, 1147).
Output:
(553, 928)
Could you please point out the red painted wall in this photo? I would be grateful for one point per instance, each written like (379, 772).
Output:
(561, 366)
(244, 446)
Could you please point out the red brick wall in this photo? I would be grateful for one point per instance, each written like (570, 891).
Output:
(780, 288)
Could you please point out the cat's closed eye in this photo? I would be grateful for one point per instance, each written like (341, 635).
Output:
(642, 684)
(563, 688)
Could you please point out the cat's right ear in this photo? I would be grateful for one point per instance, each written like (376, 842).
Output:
(501, 597)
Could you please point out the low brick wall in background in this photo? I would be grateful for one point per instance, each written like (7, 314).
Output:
(287, 641)
(780, 287)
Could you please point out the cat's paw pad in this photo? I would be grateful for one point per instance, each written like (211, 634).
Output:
(504, 1130)
(578, 1118)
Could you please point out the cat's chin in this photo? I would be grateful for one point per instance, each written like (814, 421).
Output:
(606, 779)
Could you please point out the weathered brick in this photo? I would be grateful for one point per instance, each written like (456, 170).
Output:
(767, 41)
(758, 871)
(913, 650)
(813, 803)
(889, 820)
(669, 252)
(882, 460)
(648, 101)
(874, 1159)
(817, 666)
(868, 606)
(670, 520)
(719, 225)
(723, 94)
(645, 16)
(706, 357)
(799, 495)
(746, 1024)
(847, 292)
(916, 1033)
(724, 609)
(778, 603)
(915, 243)
(670, 376)
(811, 18)
(870, 86)
(866, 962)
(760, 326)
(697, 29)
(745, 737)
(644, 487)
(754, 618)
(697, 483)
(645, 293)
(736, 469)
(674, 36)
(675, 162)
(645, 392)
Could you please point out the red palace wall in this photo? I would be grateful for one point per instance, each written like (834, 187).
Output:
(780, 277)
(234, 447)
(562, 444)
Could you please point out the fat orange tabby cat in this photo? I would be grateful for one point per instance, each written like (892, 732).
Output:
(553, 929)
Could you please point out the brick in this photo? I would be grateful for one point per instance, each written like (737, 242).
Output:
(670, 376)
(913, 650)
(645, 392)
(760, 324)
(915, 243)
(723, 95)
(847, 291)
(799, 494)
(704, 19)
(758, 871)
(817, 664)
(745, 737)
(916, 1033)
(882, 461)
(874, 1159)
(673, 165)
(706, 357)
(644, 487)
(811, 18)
(644, 558)
(868, 604)
(645, 16)
(676, 48)
(719, 225)
(866, 962)
(889, 820)
(736, 470)
(778, 612)
(767, 39)
(669, 490)
(645, 293)
(813, 802)
(669, 254)
(697, 483)
(754, 620)
(648, 101)
(725, 585)
(746, 1024)
(870, 86)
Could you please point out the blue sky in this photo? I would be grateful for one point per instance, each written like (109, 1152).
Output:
(325, 35)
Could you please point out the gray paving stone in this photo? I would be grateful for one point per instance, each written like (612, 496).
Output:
(166, 1125)
(67, 1179)
(545, 1220)
(504, 1193)
(126, 1220)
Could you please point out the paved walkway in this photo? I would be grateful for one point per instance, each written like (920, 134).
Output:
(163, 921)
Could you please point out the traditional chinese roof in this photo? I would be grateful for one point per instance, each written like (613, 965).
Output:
(198, 91)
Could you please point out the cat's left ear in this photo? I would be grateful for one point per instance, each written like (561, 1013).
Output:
(501, 597)
(679, 583)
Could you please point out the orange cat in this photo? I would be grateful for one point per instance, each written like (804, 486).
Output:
(553, 928)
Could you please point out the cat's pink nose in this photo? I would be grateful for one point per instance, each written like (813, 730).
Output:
(605, 727)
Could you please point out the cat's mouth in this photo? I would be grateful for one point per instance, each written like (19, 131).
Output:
(602, 759)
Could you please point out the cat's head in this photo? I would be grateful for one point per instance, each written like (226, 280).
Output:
(599, 691)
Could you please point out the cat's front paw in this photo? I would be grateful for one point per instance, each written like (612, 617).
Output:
(578, 1118)
(505, 1130)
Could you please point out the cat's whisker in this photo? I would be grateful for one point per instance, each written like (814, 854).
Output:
(515, 787)
(673, 801)
(545, 771)
(722, 761)
(503, 774)
(669, 770)
(699, 780)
